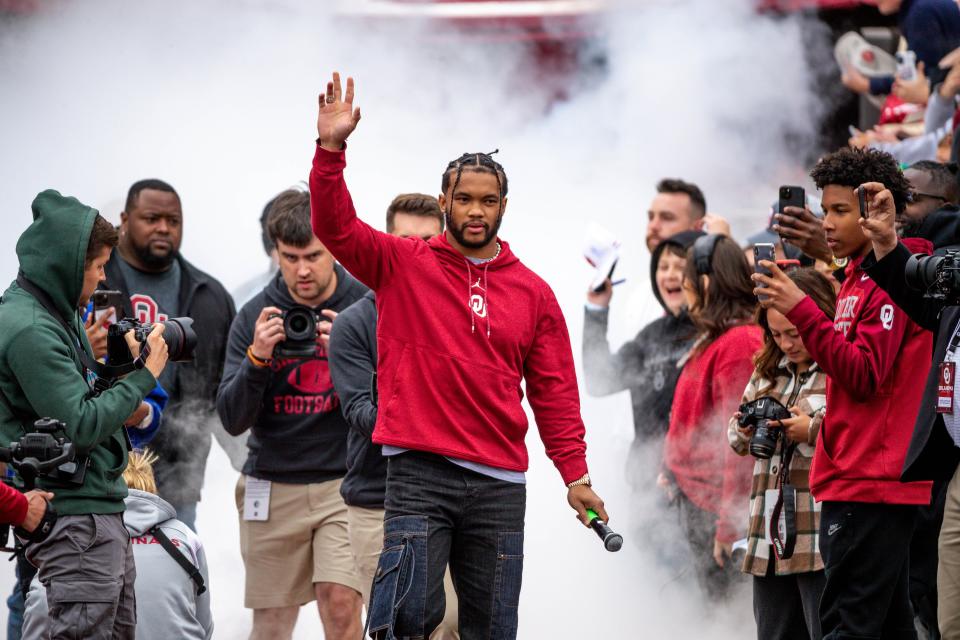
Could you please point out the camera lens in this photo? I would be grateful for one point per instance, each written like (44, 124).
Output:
(764, 440)
(300, 324)
(921, 271)
(180, 338)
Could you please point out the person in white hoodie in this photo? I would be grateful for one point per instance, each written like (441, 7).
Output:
(171, 603)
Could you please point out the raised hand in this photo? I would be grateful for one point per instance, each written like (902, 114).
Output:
(880, 224)
(337, 118)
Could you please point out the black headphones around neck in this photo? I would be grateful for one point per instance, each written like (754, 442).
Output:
(703, 250)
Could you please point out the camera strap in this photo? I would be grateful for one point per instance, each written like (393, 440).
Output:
(105, 373)
(180, 559)
(787, 506)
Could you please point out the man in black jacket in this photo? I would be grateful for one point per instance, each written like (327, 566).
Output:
(353, 363)
(935, 447)
(158, 283)
(293, 520)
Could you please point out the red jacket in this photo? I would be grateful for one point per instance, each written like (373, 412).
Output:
(455, 340)
(877, 359)
(708, 393)
(13, 505)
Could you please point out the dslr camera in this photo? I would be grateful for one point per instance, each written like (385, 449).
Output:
(177, 333)
(762, 414)
(300, 327)
(938, 277)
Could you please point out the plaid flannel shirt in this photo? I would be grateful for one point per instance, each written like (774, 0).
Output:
(811, 400)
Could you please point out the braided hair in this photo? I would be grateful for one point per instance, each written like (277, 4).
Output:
(480, 162)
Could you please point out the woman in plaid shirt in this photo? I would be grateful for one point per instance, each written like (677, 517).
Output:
(786, 591)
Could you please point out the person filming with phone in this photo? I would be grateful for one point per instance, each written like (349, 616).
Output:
(874, 354)
(47, 371)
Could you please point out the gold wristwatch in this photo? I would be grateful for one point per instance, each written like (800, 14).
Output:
(582, 480)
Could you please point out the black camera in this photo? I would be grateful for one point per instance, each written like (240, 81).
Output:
(937, 276)
(47, 452)
(761, 414)
(177, 333)
(300, 327)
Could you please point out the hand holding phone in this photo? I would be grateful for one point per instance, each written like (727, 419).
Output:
(104, 301)
(763, 251)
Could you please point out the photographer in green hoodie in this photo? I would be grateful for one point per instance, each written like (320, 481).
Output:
(86, 563)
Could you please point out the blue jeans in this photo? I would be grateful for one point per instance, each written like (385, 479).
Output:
(15, 605)
(438, 512)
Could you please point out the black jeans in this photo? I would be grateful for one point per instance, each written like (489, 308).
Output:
(866, 555)
(787, 607)
(438, 512)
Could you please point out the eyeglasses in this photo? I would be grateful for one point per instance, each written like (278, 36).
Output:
(916, 196)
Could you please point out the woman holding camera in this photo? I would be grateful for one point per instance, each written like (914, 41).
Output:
(708, 482)
(785, 563)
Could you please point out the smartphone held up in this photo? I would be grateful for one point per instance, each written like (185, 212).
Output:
(763, 251)
(791, 196)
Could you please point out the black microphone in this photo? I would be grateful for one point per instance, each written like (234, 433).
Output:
(611, 541)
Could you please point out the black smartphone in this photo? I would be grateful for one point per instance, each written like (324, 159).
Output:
(862, 199)
(103, 300)
(763, 251)
(791, 196)
(598, 285)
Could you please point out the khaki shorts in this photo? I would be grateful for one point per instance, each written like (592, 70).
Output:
(366, 539)
(303, 542)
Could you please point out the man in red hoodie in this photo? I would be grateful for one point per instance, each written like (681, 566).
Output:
(875, 357)
(461, 323)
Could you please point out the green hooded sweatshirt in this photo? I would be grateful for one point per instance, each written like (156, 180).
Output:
(40, 372)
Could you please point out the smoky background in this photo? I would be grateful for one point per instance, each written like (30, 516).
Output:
(219, 99)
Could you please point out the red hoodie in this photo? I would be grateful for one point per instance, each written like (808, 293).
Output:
(708, 393)
(877, 359)
(455, 340)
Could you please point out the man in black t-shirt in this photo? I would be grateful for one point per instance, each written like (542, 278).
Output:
(158, 283)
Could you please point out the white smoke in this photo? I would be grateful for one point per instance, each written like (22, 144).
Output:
(219, 98)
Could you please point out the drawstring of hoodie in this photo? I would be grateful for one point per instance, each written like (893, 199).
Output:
(486, 298)
(486, 301)
(473, 321)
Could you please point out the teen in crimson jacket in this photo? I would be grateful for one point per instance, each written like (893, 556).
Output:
(461, 324)
(712, 483)
(875, 357)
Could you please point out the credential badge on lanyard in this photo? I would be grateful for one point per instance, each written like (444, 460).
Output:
(946, 380)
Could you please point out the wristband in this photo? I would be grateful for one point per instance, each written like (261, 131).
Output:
(259, 363)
